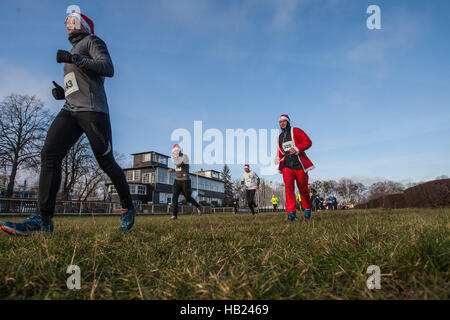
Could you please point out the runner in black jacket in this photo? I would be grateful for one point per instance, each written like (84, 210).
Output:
(85, 111)
(182, 183)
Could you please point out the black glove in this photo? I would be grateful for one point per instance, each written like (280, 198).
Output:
(58, 92)
(64, 57)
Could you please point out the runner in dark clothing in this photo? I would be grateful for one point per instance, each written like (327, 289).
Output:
(182, 183)
(85, 111)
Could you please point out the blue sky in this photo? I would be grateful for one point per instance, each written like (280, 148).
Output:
(376, 103)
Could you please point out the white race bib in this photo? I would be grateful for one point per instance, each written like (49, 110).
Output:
(70, 83)
(287, 146)
(178, 169)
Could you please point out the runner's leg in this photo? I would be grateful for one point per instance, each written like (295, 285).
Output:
(302, 185)
(188, 193)
(97, 127)
(63, 133)
(250, 194)
(176, 190)
(289, 184)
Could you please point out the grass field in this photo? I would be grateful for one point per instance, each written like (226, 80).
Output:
(235, 257)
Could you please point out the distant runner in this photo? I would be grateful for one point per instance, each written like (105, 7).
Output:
(274, 201)
(251, 182)
(182, 183)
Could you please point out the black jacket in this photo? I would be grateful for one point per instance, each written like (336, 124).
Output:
(84, 79)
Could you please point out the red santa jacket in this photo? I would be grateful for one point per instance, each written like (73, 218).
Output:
(302, 143)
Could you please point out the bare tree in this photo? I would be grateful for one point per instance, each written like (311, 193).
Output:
(3, 180)
(23, 126)
(379, 189)
(102, 188)
(317, 185)
(349, 191)
(88, 185)
(266, 190)
(343, 189)
(329, 187)
(75, 165)
(357, 191)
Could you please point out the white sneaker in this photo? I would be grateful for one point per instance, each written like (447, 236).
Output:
(174, 218)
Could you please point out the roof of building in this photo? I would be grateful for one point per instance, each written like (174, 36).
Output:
(208, 171)
(161, 154)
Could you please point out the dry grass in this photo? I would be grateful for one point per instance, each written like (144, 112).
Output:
(235, 257)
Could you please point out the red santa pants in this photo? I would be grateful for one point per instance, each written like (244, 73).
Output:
(301, 177)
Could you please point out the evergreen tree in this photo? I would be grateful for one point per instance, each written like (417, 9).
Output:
(226, 178)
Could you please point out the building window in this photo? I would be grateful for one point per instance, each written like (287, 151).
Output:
(152, 177)
(129, 174)
(147, 157)
(146, 177)
(137, 175)
(159, 159)
(165, 197)
(138, 189)
(162, 176)
(142, 190)
(133, 175)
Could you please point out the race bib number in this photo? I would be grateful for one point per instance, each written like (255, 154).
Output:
(250, 180)
(287, 146)
(70, 84)
(178, 169)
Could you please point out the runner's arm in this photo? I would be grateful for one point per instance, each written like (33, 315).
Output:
(257, 180)
(302, 141)
(100, 61)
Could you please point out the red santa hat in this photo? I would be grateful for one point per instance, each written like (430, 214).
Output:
(285, 117)
(87, 23)
(176, 147)
(246, 166)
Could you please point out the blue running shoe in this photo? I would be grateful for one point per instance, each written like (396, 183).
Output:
(292, 216)
(27, 227)
(128, 219)
(308, 214)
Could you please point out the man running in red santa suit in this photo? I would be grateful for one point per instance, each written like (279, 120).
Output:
(294, 165)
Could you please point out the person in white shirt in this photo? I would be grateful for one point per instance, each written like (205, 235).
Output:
(251, 182)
